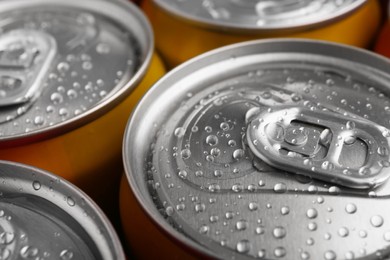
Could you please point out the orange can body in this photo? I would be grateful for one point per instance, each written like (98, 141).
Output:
(383, 43)
(142, 234)
(179, 40)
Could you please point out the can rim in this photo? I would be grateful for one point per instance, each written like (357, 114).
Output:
(220, 26)
(70, 189)
(144, 36)
(135, 179)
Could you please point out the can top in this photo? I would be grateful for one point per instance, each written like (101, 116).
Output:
(270, 149)
(45, 217)
(64, 63)
(258, 14)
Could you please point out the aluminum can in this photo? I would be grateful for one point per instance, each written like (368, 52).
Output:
(382, 45)
(42, 216)
(70, 73)
(270, 149)
(185, 29)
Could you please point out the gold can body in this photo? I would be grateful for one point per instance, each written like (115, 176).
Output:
(89, 156)
(143, 235)
(179, 40)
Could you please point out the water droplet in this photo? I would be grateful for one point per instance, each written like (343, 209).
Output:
(5, 253)
(212, 140)
(376, 221)
(327, 166)
(386, 236)
(179, 132)
(364, 171)
(350, 140)
(312, 226)
(6, 238)
(253, 206)
(204, 229)
(63, 67)
(261, 253)
(87, 65)
(66, 254)
(285, 210)
(214, 187)
(362, 233)
(229, 215)
(312, 189)
(334, 190)
(183, 174)
(243, 246)
(232, 143)
(343, 232)
(238, 154)
(261, 183)
(36, 185)
(169, 211)
(29, 252)
(56, 98)
(71, 93)
(103, 48)
(279, 232)
(259, 230)
(312, 213)
(237, 187)
(200, 207)
(185, 154)
(224, 126)
(215, 152)
(350, 125)
(218, 173)
(70, 201)
(241, 224)
(349, 255)
(305, 256)
(310, 241)
(383, 151)
(280, 252)
(330, 255)
(39, 120)
(280, 188)
(350, 208)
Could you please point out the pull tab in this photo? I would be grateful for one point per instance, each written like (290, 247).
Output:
(353, 152)
(25, 59)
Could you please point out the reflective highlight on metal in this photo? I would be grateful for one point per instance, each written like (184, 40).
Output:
(42, 216)
(192, 161)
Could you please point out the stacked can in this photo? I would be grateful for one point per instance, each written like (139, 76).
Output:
(383, 43)
(43, 216)
(70, 73)
(187, 28)
(273, 149)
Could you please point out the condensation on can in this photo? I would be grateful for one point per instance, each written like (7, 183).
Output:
(204, 192)
(82, 66)
(207, 25)
(42, 216)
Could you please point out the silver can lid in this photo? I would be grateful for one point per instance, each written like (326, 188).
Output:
(268, 149)
(63, 63)
(260, 14)
(43, 216)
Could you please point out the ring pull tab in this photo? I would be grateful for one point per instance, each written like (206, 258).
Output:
(25, 59)
(352, 152)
